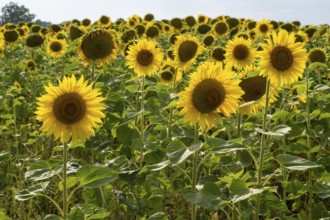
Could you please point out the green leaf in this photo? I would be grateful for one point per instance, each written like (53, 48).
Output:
(41, 170)
(95, 176)
(280, 115)
(32, 191)
(88, 211)
(292, 162)
(124, 133)
(177, 152)
(208, 197)
(52, 217)
(220, 146)
(278, 130)
(158, 216)
(76, 214)
(158, 166)
(239, 190)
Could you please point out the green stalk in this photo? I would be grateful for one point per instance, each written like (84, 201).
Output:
(194, 175)
(262, 150)
(54, 203)
(171, 110)
(142, 122)
(65, 190)
(239, 121)
(309, 144)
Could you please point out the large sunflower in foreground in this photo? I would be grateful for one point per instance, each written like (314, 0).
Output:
(71, 109)
(186, 49)
(240, 52)
(254, 87)
(282, 59)
(211, 90)
(97, 46)
(144, 57)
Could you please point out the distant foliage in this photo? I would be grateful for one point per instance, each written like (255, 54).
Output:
(12, 12)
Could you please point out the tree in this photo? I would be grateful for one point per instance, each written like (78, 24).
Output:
(14, 13)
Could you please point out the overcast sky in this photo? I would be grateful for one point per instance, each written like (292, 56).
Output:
(56, 11)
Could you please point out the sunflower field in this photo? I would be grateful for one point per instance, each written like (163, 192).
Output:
(186, 118)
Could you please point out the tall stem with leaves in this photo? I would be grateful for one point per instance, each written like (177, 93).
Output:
(262, 150)
(309, 144)
(169, 127)
(194, 175)
(65, 189)
(142, 121)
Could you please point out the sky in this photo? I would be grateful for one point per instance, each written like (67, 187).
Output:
(308, 12)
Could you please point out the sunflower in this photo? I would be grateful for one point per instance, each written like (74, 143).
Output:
(282, 60)
(71, 109)
(34, 40)
(264, 27)
(301, 37)
(211, 90)
(104, 21)
(31, 66)
(186, 49)
(317, 55)
(254, 87)
(190, 21)
(11, 37)
(144, 57)
(240, 52)
(220, 28)
(168, 72)
(218, 54)
(56, 48)
(208, 40)
(97, 46)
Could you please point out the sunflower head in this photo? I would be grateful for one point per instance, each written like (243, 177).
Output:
(301, 37)
(144, 57)
(251, 25)
(55, 28)
(282, 59)
(168, 72)
(70, 110)
(176, 23)
(149, 17)
(317, 55)
(97, 46)
(152, 31)
(190, 21)
(56, 47)
(140, 29)
(263, 27)
(311, 31)
(288, 27)
(128, 35)
(232, 22)
(11, 36)
(186, 49)
(240, 52)
(104, 21)
(220, 28)
(75, 32)
(212, 90)
(31, 66)
(35, 28)
(218, 54)
(202, 18)
(34, 40)
(203, 28)
(86, 22)
(208, 40)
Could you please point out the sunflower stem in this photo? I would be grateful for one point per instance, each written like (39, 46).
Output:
(194, 175)
(262, 150)
(93, 71)
(309, 144)
(142, 122)
(239, 121)
(65, 190)
(171, 110)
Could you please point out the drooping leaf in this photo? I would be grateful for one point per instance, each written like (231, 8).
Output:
(32, 191)
(292, 162)
(158, 216)
(177, 152)
(208, 197)
(159, 166)
(95, 176)
(52, 217)
(220, 146)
